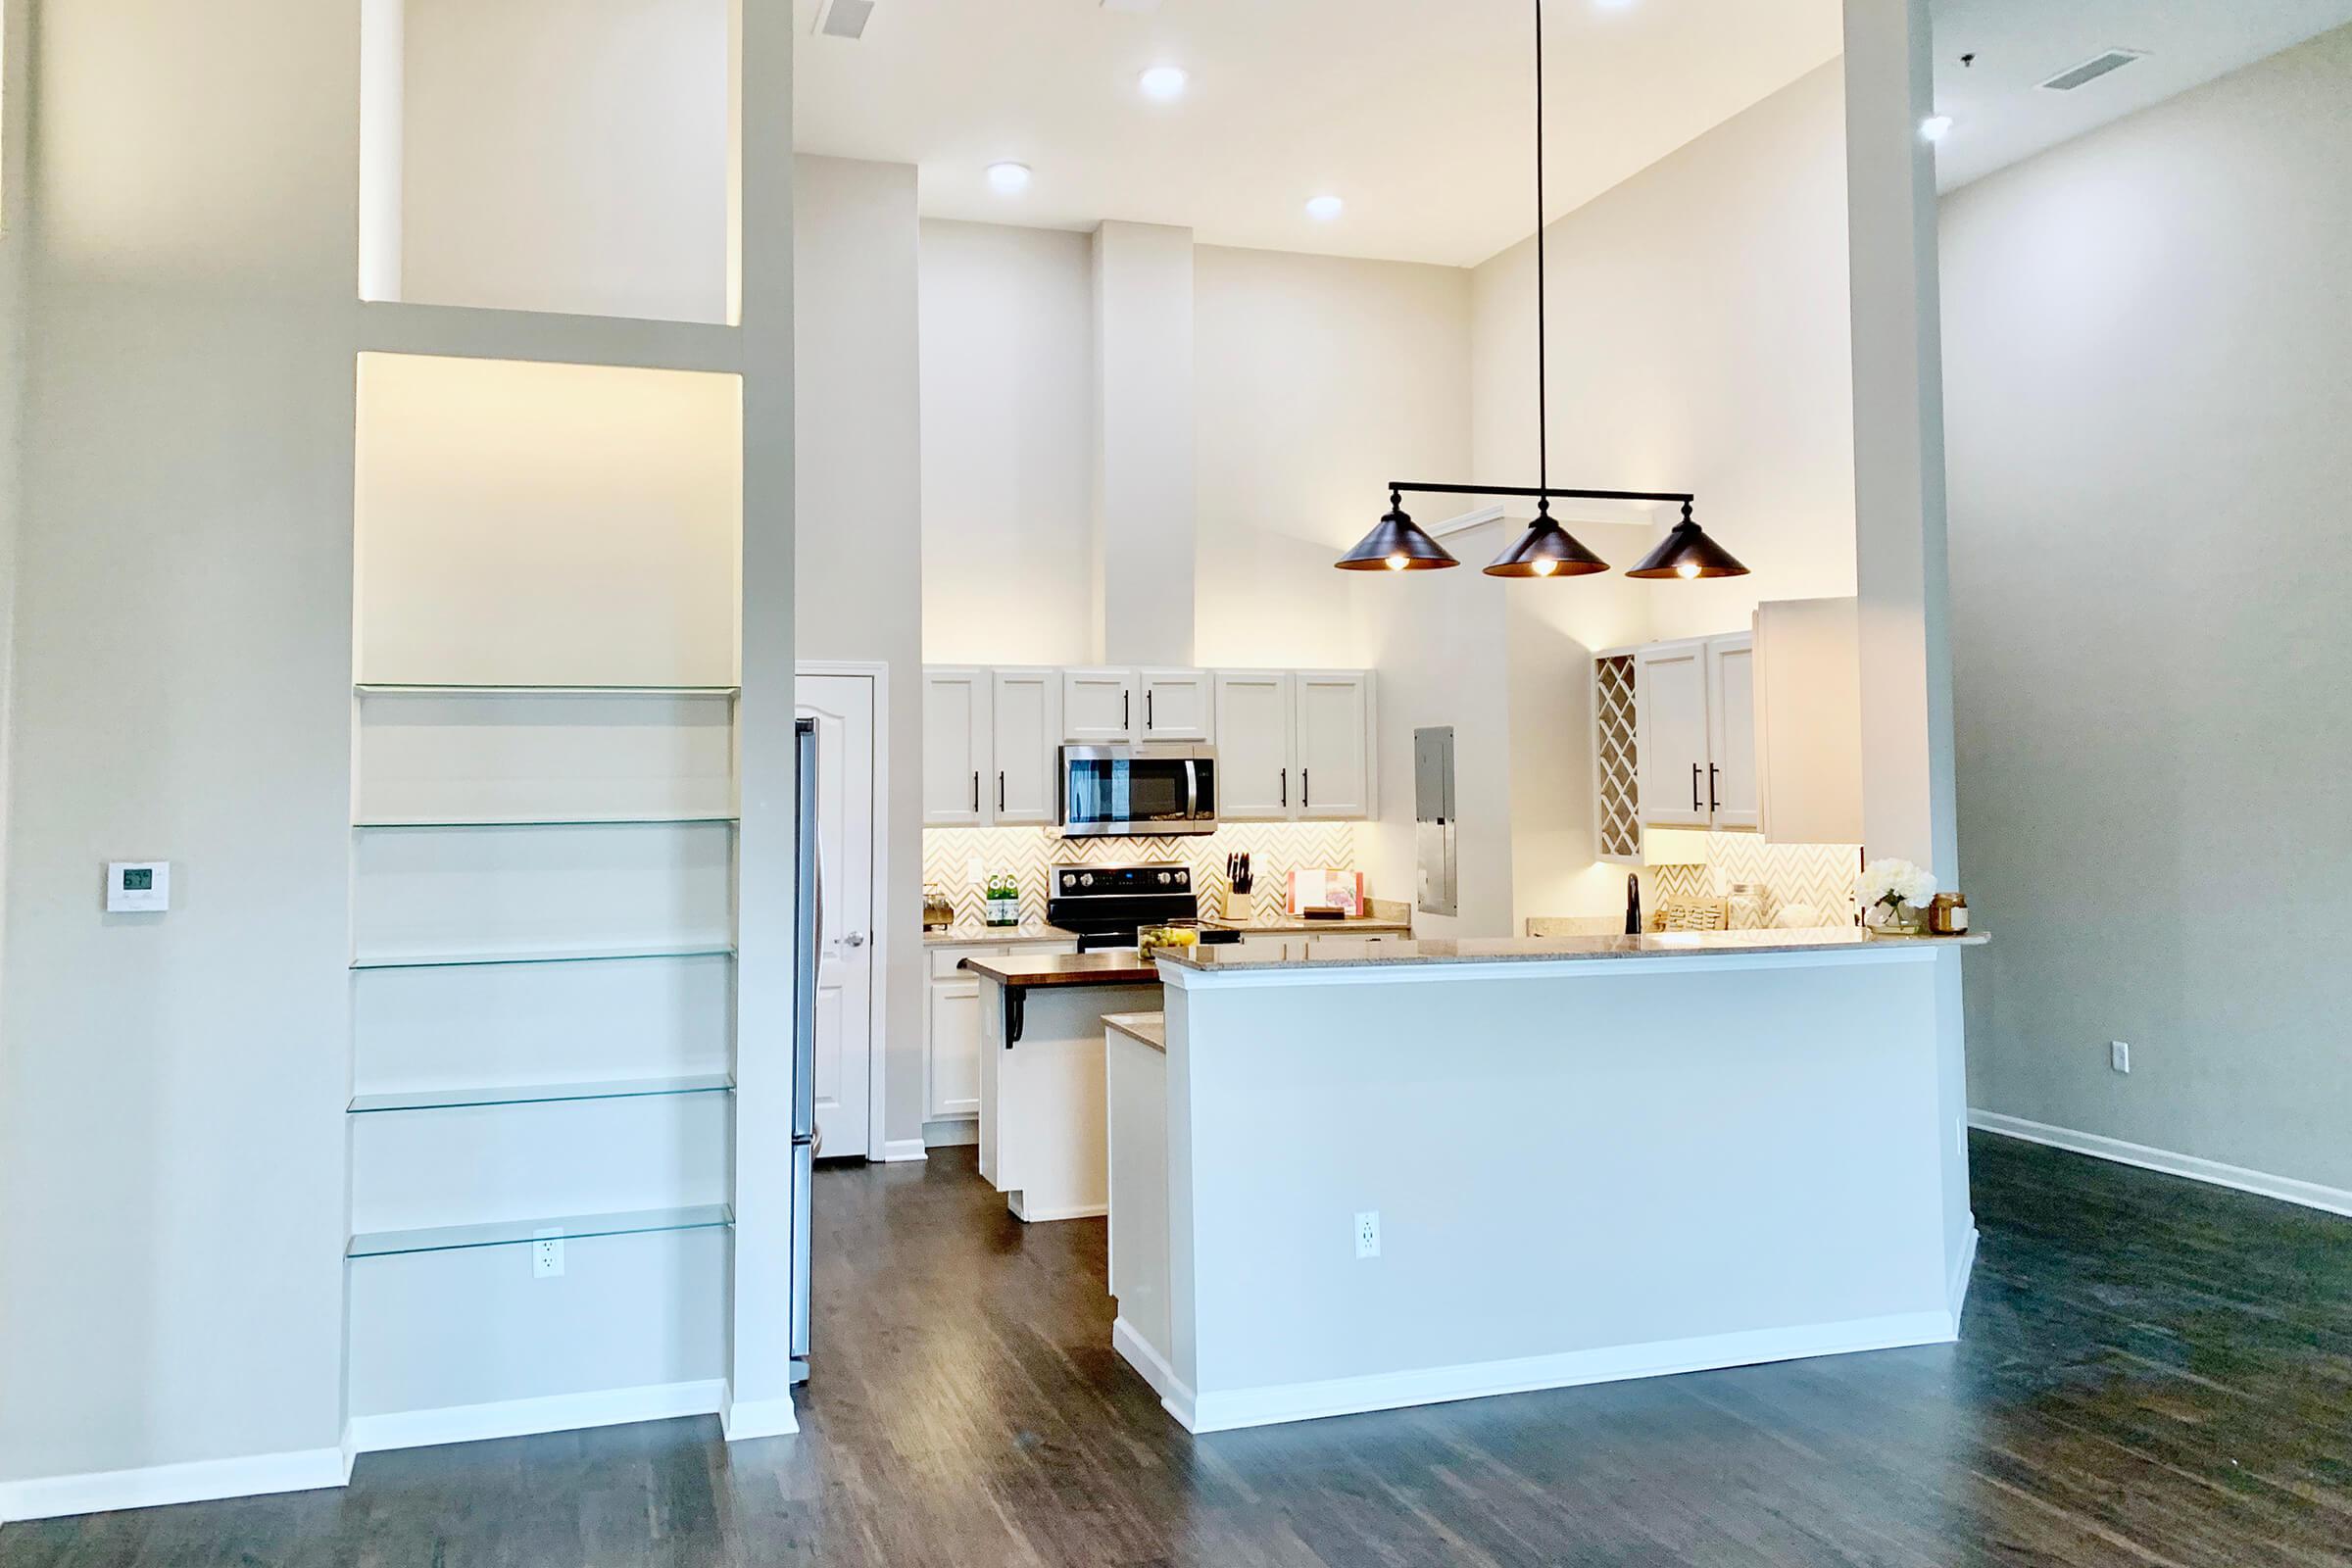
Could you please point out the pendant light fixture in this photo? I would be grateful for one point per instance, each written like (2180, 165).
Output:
(1545, 550)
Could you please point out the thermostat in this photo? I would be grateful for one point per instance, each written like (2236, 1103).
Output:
(138, 887)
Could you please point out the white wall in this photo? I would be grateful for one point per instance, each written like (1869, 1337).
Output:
(1318, 380)
(1007, 400)
(171, 1128)
(2146, 337)
(1699, 341)
(566, 155)
(861, 560)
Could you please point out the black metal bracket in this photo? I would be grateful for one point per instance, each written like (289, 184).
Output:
(1686, 496)
(1015, 1005)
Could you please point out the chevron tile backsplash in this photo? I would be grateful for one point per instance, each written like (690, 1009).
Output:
(1821, 875)
(1031, 852)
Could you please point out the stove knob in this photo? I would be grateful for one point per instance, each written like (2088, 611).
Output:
(1068, 881)
(1088, 879)
(1166, 879)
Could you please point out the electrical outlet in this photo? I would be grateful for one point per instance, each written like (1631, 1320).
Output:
(2118, 1055)
(1367, 1234)
(547, 1255)
(974, 871)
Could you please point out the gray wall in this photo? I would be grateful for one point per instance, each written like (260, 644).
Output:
(171, 1205)
(2148, 349)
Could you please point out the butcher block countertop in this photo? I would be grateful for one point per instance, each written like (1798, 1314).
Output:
(1120, 966)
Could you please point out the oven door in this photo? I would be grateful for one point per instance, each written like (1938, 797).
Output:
(1136, 791)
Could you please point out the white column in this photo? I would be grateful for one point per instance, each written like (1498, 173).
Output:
(1907, 801)
(1144, 531)
(759, 1353)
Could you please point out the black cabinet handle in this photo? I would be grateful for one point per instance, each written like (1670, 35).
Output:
(1147, 709)
(1694, 806)
(1712, 804)
(1126, 711)
(1306, 798)
(975, 790)
(1286, 789)
(1000, 790)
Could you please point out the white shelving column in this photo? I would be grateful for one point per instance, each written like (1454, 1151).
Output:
(553, 720)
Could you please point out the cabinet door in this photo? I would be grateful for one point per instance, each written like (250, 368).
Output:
(1257, 780)
(956, 741)
(1098, 706)
(1026, 740)
(1334, 744)
(952, 1073)
(1176, 706)
(1671, 727)
(1732, 730)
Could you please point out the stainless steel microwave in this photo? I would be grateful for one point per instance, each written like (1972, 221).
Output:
(1138, 791)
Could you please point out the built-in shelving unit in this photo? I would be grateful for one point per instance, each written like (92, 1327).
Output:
(544, 691)
(521, 1233)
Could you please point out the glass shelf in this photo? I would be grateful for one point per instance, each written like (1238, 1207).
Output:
(368, 688)
(647, 820)
(522, 1232)
(715, 948)
(540, 1093)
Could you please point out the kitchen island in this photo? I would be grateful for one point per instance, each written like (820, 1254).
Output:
(1042, 1132)
(1391, 1172)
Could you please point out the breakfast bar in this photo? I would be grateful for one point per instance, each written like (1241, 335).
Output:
(1356, 1175)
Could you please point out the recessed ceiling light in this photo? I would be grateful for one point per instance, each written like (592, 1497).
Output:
(1935, 126)
(1323, 209)
(1009, 177)
(1164, 82)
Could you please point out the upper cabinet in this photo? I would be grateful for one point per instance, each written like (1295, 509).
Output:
(1257, 769)
(1292, 745)
(1097, 707)
(956, 746)
(1752, 729)
(1177, 705)
(1026, 730)
(1334, 746)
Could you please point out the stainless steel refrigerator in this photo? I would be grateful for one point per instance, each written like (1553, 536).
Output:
(808, 912)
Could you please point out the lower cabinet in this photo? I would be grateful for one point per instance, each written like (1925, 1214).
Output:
(952, 1028)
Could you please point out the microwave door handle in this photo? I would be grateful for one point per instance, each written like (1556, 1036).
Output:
(1192, 790)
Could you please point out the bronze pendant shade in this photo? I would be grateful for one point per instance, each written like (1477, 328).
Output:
(1687, 553)
(1545, 550)
(1397, 543)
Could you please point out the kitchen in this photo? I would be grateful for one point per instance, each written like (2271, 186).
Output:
(1141, 457)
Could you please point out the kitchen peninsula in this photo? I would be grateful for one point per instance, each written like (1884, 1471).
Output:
(1487, 1166)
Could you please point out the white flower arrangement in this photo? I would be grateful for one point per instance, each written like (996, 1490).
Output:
(1893, 884)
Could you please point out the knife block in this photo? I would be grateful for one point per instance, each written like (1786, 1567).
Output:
(1239, 906)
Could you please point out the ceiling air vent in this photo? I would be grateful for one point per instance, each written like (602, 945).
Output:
(2093, 68)
(843, 19)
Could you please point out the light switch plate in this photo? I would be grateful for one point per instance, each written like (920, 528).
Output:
(138, 887)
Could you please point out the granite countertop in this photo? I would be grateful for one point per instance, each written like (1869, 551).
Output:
(1151, 1028)
(1373, 952)
(1291, 925)
(1120, 966)
(974, 934)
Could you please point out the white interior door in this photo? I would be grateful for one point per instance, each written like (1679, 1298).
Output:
(843, 706)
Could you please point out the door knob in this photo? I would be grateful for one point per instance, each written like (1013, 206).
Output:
(856, 939)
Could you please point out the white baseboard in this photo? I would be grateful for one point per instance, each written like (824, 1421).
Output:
(1133, 1348)
(2310, 1195)
(899, 1148)
(1964, 1269)
(1042, 1216)
(743, 1420)
(956, 1132)
(1222, 1411)
(158, 1485)
(522, 1418)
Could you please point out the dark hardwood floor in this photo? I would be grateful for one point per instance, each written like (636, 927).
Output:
(2152, 1372)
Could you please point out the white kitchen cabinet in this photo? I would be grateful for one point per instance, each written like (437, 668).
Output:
(1335, 743)
(1098, 706)
(1671, 700)
(956, 745)
(1256, 777)
(1177, 704)
(1024, 745)
(1732, 801)
(952, 1028)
